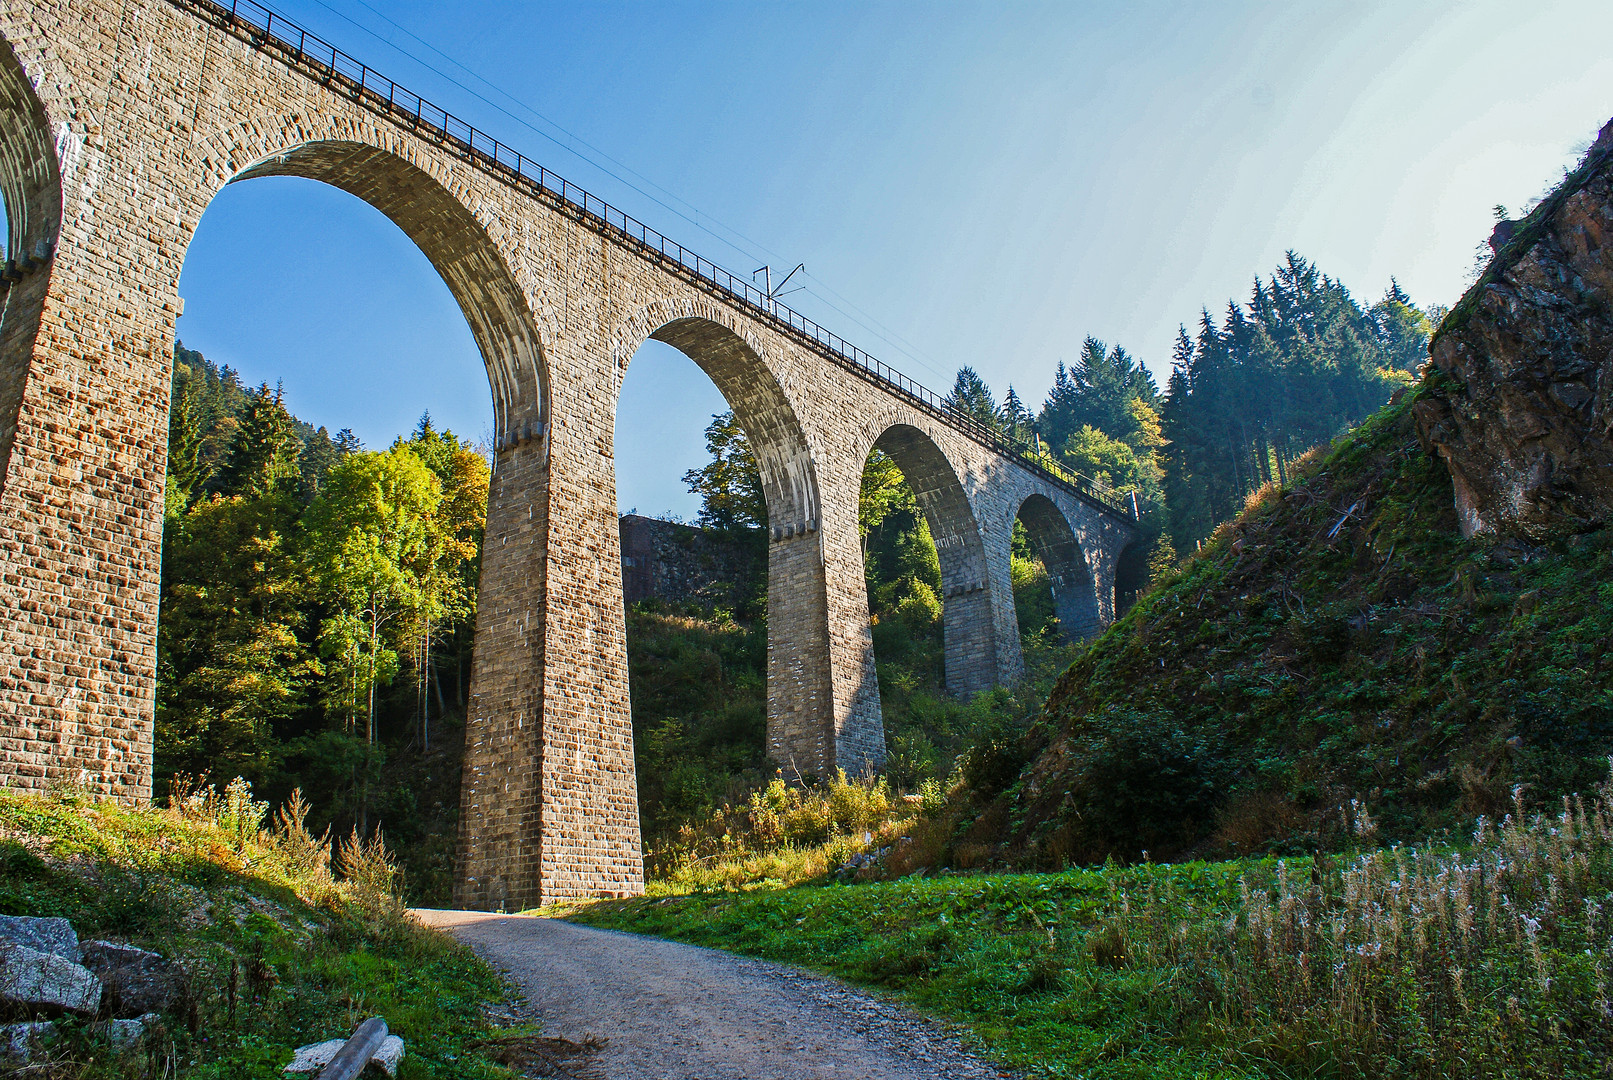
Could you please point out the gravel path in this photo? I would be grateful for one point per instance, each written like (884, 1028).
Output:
(677, 1012)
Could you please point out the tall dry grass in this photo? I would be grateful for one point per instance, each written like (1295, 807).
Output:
(282, 846)
(787, 834)
(1488, 960)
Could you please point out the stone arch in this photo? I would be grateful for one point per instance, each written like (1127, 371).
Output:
(800, 713)
(371, 165)
(1075, 598)
(31, 186)
(733, 359)
(968, 633)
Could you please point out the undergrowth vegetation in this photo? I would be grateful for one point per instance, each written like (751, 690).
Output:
(1489, 958)
(697, 673)
(1338, 640)
(278, 949)
(786, 834)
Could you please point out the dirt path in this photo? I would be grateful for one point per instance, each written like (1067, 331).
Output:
(677, 1012)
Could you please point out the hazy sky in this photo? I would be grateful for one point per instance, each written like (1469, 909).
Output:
(967, 184)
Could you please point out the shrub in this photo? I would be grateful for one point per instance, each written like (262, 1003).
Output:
(1139, 783)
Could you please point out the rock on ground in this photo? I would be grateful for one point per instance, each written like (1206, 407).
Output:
(669, 1011)
(45, 935)
(316, 1056)
(31, 979)
(135, 981)
(21, 1043)
(124, 1035)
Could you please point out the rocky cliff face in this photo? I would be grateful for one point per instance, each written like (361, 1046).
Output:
(1520, 407)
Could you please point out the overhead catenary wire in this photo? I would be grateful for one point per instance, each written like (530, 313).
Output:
(706, 223)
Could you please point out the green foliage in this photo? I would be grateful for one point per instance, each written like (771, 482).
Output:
(1487, 959)
(264, 451)
(699, 696)
(278, 951)
(1292, 369)
(972, 397)
(927, 729)
(1108, 461)
(371, 545)
(301, 575)
(730, 485)
(1099, 393)
(232, 667)
(884, 492)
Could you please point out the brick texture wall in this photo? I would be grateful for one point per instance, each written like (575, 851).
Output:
(663, 560)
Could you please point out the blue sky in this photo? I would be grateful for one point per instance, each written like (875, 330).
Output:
(967, 184)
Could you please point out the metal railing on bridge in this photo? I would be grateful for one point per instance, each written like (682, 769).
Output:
(322, 60)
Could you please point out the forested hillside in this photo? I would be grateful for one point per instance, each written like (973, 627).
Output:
(1337, 662)
(1291, 368)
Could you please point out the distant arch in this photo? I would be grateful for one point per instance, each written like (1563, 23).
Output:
(1075, 598)
(31, 187)
(1131, 576)
(968, 632)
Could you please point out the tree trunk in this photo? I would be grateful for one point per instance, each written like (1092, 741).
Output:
(436, 684)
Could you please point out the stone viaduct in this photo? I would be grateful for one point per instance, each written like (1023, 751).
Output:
(122, 119)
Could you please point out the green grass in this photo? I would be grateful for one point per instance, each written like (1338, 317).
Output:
(278, 953)
(970, 949)
(1486, 960)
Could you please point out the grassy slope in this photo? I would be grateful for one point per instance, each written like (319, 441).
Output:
(307, 958)
(1488, 960)
(1339, 640)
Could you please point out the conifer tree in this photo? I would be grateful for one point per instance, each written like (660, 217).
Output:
(972, 397)
(185, 468)
(1015, 419)
(265, 450)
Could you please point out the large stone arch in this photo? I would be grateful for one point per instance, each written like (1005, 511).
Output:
(197, 98)
(370, 164)
(968, 630)
(466, 241)
(31, 187)
(799, 690)
(1075, 598)
(1131, 576)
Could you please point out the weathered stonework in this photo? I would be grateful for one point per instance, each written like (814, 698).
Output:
(663, 560)
(121, 121)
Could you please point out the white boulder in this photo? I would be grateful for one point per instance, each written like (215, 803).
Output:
(315, 1056)
(31, 979)
(47, 935)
